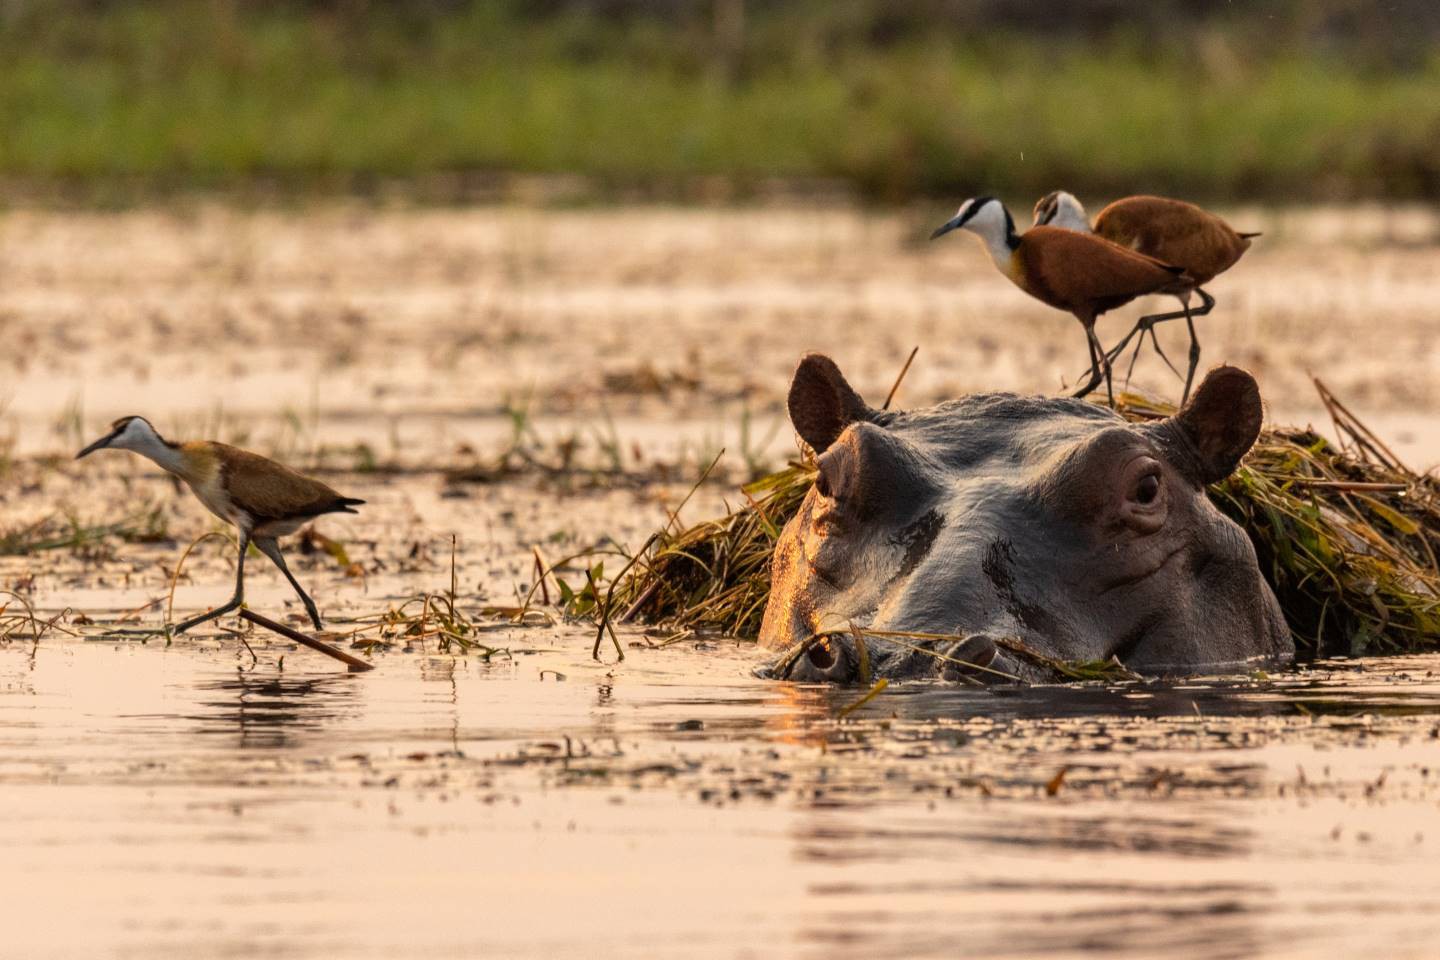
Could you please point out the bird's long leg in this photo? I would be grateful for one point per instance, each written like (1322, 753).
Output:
(1194, 359)
(1156, 341)
(1135, 354)
(1143, 326)
(1090, 344)
(271, 548)
(234, 601)
(1099, 366)
(1148, 325)
(1119, 348)
(1207, 302)
(1104, 364)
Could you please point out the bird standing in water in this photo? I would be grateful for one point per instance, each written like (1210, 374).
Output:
(264, 500)
(1169, 230)
(1076, 272)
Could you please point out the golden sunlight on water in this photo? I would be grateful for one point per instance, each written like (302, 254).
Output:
(165, 803)
(181, 802)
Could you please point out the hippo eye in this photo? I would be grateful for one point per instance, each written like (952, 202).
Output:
(1147, 489)
(822, 484)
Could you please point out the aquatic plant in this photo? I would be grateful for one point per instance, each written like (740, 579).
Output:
(19, 621)
(68, 531)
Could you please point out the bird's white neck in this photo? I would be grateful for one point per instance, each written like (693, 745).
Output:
(1069, 214)
(997, 244)
(161, 453)
(996, 230)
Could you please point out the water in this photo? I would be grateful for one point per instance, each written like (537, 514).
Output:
(181, 802)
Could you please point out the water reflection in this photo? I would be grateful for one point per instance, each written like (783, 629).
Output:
(270, 711)
(1343, 688)
(686, 805)
(976, 923)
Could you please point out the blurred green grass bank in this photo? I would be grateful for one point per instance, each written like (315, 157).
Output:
(1278, 99)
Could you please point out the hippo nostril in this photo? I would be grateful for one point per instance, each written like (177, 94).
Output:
(1147, 489)
(821, 656)
(969, 658)
(826, 660)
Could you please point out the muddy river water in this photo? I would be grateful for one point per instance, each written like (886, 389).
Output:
(185, 801)
(180, 802)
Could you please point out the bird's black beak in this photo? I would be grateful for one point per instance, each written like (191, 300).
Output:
(947, 226)
(97, 445)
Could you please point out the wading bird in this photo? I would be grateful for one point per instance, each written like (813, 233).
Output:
(1170, 230)
(1076, 272)
(263, 499)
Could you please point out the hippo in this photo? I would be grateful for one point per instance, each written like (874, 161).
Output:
(1014, 524)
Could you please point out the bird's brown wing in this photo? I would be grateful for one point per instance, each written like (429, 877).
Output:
(272, 491)
(1071, 269)
(1173, 231)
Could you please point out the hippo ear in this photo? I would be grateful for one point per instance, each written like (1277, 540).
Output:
(1222, 420)
(822, 404)
(871, 472)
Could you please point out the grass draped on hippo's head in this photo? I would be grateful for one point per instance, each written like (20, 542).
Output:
(1002, 521)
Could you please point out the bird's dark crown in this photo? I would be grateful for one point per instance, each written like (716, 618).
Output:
(1011, 237)
(119, 426)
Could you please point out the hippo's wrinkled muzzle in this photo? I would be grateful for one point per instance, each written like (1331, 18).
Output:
(836, 658)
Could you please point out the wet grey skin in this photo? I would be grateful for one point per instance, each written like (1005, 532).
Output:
(1049, 520)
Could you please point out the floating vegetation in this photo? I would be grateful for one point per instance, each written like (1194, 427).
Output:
(435, 619)
(18, 620)
(715, 575)
(1346, 534)
(312, 541)
(68, 532)
(180, 566)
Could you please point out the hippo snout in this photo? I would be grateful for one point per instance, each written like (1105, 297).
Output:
(826, 659)
(834, 658)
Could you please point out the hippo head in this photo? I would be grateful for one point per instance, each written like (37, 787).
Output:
(1048, 521)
